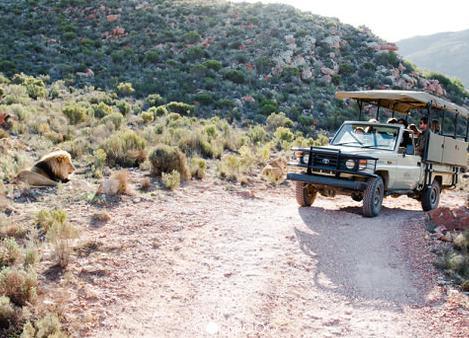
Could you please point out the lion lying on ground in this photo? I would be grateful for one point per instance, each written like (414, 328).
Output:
(49, 170)
(275, 169)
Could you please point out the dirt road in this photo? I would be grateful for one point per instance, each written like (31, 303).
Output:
(205, 261)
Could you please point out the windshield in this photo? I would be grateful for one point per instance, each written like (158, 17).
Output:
(367, 136)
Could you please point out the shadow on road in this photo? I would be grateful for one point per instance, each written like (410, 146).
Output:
(361, 258)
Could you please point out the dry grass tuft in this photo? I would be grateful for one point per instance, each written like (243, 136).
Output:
(198, 167)
(171, 180)
(18, 285)
(145, 184)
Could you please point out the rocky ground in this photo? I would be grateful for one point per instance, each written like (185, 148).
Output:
(218, 260)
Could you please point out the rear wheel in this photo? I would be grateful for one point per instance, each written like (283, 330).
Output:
(373, 197)
(430, 196)
(305, 194)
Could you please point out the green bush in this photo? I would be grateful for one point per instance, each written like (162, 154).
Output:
(125, 88)
(171, 180)
(147, 116)
(75, 113)
(154, 100)
(124, 107)
(213, 64)
(46, 219)
(125, 148)
(235, 76)
(35, 87)
(165, 159)
(102, 109)
(276, 120)
(47, 327)
(115, 118)
(198, 167)
(180, 108)
(257, 134)
(158, 111)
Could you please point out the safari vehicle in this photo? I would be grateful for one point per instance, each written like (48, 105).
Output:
(370, 160)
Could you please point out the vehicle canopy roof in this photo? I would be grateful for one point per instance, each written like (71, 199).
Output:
(403, 101)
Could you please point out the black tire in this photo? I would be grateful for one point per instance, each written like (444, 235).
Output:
(373, 197)
(305, 194)
(430, 196)
(356, 196)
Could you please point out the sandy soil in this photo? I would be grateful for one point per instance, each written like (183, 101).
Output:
(208, 260)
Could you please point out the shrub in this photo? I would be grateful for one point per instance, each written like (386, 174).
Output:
(47, 327)
(198, 167)
(235, 76)
(59, 235)
(158, 111)
(125, 148)
(154, 100)
(7, 313)
(46, 219)
(165, 159)
(75, 113)
(124, 107)
(284, 134)
(276, 120)
(171, 180)
(213, 64)
(191, 37)
(257, 134)
(125, 88)
(34, 87)
(31, 256)
(115, 118)
(102, 109)
(147, 116)
(10, 252)
(18, 285)
(180, 108)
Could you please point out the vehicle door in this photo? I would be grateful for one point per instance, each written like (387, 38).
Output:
(409, 167)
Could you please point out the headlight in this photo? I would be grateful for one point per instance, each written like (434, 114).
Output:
(350, 164)
(362, 164)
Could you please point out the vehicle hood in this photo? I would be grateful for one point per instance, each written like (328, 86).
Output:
(359, 151)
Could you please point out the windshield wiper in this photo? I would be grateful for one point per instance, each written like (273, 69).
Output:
(340, 144)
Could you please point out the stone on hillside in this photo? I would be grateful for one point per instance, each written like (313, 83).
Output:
(306, 74)
(390, 47)
(434, 87)
(332, 41)
(327, 71)
(326, 79)
(112, 17)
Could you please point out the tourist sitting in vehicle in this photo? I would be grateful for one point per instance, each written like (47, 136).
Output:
(415, 132)
(406, 140)
(435, 126)
(422, 141)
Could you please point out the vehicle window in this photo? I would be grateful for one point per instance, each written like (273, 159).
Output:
(367, 136)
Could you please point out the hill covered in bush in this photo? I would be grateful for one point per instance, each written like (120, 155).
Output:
(241, 61)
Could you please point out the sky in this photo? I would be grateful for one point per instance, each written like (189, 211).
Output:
(391, 20)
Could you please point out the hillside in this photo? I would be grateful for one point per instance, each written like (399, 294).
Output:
(447, 53)
(236, 60)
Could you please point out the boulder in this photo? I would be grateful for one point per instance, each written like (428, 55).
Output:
(451, 219)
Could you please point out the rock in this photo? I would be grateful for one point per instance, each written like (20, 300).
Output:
(450, 219)
(332, 41)
(306, 74)
(112, 18)
(327, 71)
(390, 47)
(326, 79)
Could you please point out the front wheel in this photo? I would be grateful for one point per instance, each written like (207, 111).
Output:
(373, 197)
(305, 194)
(430, 197)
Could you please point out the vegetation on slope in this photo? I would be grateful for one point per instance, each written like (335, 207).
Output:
(234, 60)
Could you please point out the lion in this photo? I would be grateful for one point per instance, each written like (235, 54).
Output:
(51, 169)
(275, 169)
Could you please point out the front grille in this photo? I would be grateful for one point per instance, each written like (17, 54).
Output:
(324, 160)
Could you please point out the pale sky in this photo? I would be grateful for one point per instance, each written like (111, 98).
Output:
(391, 20)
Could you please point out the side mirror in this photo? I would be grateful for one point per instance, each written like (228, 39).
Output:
(330, 140)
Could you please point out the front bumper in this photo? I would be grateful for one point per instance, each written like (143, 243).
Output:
(328, 181)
